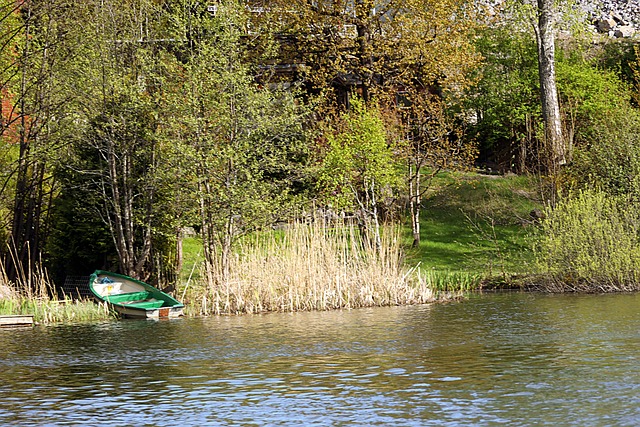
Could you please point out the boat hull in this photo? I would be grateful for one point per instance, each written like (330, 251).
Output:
(159, 313)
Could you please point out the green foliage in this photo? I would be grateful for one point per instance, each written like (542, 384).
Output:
(590, 241)
(605, 126)
(184, 111)
(80, 241)
(240, 145)
(11, 36)
(360, 164)
(114, 190)
(588, 92)
(618, 56)
(608, 153)
(506, 99)
(634, 66)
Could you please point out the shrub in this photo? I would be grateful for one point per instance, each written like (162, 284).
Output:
(608, 153)
(590, 242)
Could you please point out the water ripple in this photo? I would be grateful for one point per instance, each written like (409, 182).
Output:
(513, 359)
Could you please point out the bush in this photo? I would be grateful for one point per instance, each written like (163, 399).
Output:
(608, 153)
(590, 242)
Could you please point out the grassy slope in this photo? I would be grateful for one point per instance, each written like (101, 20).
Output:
(477, 223)
(192, 253)
(471, 223)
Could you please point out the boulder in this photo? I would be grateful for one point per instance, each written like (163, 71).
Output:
(605, 25)
(624, 31)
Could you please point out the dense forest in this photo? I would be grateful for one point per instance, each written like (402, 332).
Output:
(126, 122)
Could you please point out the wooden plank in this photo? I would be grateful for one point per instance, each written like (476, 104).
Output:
(16, 320)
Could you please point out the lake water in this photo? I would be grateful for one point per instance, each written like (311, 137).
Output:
(500, 359)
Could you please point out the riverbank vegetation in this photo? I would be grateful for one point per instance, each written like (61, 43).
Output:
(590, 242)
(319, 155)
(319, 265)
(46, 307)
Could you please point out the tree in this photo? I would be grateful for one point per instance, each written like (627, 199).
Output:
(360, 168)
(545, 38)
(43, 48)
(434, 142)
(117, 155)
(412, 57)
(505, 101)
(240, 138)
(376, 48)
(10, 39)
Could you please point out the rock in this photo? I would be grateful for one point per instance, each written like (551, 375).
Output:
(606, 15)
(617, 17)
(624, 31)
(606, 25)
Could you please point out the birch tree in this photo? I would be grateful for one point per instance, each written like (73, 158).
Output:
(545, 30)
(240, 139)
(360, 168)
(116, 156)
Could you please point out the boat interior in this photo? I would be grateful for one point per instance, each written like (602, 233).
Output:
(122, 291)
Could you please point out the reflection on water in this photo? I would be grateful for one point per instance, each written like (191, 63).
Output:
(512, 359)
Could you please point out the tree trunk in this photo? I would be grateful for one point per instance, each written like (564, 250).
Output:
(179, 250)
(545, 35)
(414, 204)
(363, 9)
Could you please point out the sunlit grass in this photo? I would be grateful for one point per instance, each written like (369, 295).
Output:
(192, 250)
(477, 224)
(55, 311)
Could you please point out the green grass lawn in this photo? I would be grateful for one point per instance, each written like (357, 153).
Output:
(192, 254)
(476, 223)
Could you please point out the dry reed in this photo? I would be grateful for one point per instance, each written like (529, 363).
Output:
(311, 267)
(35, 295)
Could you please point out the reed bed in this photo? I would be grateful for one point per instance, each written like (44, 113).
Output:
(34, 297)
(312, 267)
(46, 311)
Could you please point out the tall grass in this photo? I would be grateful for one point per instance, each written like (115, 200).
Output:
(313, 266)
(54, 310)
(451, 281)
(36, 296)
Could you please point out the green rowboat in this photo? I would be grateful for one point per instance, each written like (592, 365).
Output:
(133, 298)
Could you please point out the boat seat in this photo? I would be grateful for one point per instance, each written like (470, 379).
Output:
(147, 304)
(128, 297)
